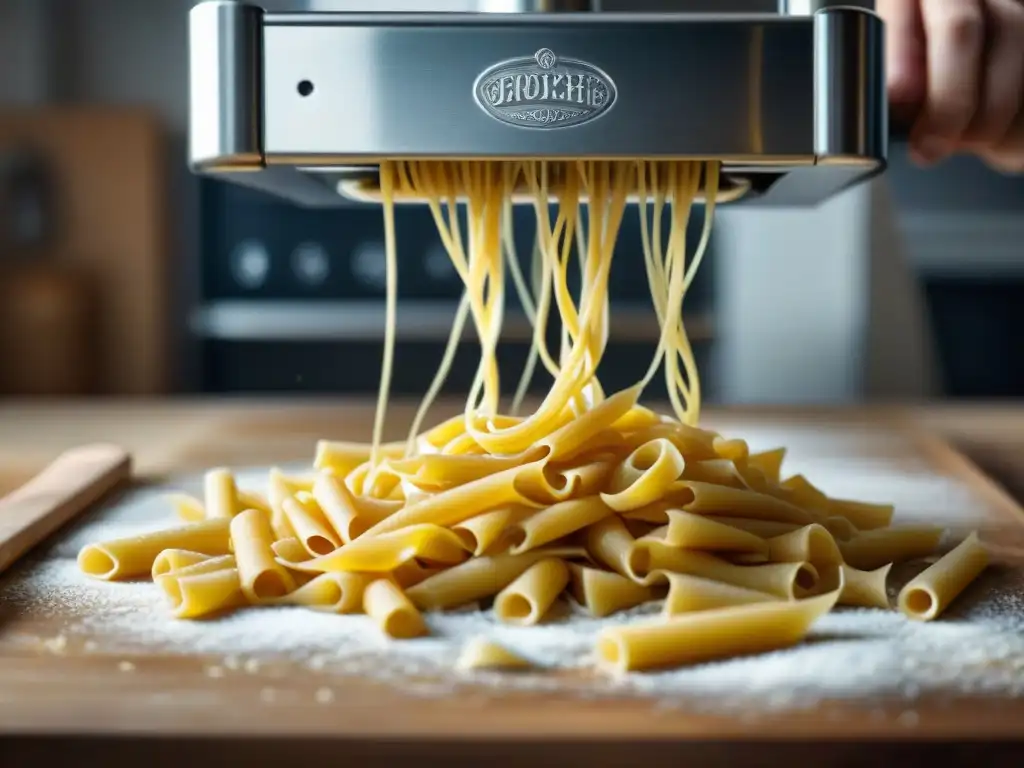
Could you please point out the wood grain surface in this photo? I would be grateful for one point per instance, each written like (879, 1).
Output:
(80, 692)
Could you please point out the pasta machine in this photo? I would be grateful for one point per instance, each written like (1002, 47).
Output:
(304, 104)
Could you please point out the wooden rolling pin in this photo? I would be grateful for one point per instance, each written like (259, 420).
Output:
(65, 489)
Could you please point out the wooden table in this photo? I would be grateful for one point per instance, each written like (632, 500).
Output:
(176, 436)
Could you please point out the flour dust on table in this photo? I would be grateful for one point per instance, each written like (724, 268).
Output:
(851, 654)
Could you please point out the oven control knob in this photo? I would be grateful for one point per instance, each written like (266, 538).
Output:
(250, 264)
(311, 264)
(369, 266)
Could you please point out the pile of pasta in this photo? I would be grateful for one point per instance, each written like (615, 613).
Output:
(591, 496)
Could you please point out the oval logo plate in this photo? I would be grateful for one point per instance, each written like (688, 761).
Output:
(544, 91)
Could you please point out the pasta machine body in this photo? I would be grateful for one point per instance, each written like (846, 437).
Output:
(305, 105)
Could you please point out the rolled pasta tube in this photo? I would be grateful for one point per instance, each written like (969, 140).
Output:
(479, 578)
(873, 549)
(714, 471)
(691, 531)
(932, 591)
(863, 516)
(801, 492)
(707, 499)
(348, 516)
(260, 575)
(481, 653)
(650, 562)
(310, 527)
(133, 557)
(527, 599)
(340, 458)
(328, 592)
(637, 417)
(840, 528)
(603, 593)
(768, 463)
(709, 635)
(688, 594)
(277, 491)
(175, 559)
(188, 508)
(411, 573)
(199, 595)
(461, 503)
(644, 476)
(733, 449)
(766, 529)
(288, 551)
(220, 494)
(610, 544)
(397, 617)
(568, 440)
(811, 544)
(693, 443)
(253, 500)
(865, 589)
(209, 565)
(490, 531)
(385, 553)
(441, 472)
(556, 522)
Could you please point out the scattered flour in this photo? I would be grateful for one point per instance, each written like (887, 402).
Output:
(863, 654)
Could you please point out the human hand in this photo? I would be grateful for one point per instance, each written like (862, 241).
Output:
(956, 76)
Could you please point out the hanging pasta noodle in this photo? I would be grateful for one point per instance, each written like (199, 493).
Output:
(590, 493)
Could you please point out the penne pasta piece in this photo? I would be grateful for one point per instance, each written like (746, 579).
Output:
(932, 591)
(707, 499)
(873, 549)
(650, 561)
(527, 599)
(340, 458)
(385, 553)
(863, 516)
(766, 529)
(713, 471)
(708, 635)
(288, 551)
(253, 500)
(603, 593)
(481, 653)
(479, 578)
(210, 565)
(202, 590)
(555, 522)
(644, 476)
(490, 531)
(411, 573)
(133, 557)
(397, 617)
(259, 573)
(461, 503)
(610, 544)
(865, 589)
(800, 492)
(688, 594)
(328, 592)
(840, 528)
(349, 516)
(175, 559)
(277, 491)
(768, 463)
(220, 494)
(310, 526)
(691, 531)
(811, 544)
(188, 508)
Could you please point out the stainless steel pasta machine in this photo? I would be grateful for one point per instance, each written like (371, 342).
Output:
(305, 104)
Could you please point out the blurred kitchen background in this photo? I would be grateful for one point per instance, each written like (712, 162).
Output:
(121, 274)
